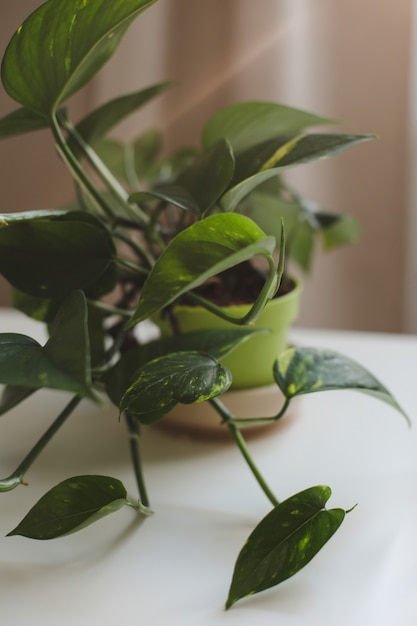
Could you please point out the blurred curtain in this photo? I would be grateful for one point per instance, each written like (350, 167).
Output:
(347, 60)
(410, 286)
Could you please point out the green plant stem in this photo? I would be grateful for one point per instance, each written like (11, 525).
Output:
(77, 170)
(227, 417)
(112, 184)
(131, 265)
(134, 434)
(109, 308)
(17, 477)
(258, 421)
(136, 247)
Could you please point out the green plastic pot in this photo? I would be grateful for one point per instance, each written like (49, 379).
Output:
(251, 363)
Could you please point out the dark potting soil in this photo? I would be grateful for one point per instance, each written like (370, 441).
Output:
(239, 285)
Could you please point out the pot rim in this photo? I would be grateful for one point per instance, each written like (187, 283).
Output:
(295, 291)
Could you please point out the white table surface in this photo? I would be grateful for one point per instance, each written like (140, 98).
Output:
(174, 568)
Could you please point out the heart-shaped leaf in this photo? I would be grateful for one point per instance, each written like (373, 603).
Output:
(249, 123)
(72, 505)
(216, 342)
(52, 257)
(60, 47)
(298, 371)
(63, 363)
(197, 253)
(284, 542)
(185, 377)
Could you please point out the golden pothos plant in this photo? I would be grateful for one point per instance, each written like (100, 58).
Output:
(144, 232)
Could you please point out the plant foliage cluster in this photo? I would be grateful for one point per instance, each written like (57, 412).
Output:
(145, 231)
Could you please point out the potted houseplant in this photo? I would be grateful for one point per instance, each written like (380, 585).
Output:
(94, 272)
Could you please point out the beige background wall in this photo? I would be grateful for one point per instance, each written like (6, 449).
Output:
(348, 60)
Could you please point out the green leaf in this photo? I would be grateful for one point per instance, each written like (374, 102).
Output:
(307, 148)
(40, 309)
(208, 177)
(185, 377)
(251, 161)
(60, 47)
(19, 122)
(98, 123)
(249, 123)
(216, 342)
(13, 395)
(299, 371)
(284, 542)
(72, 505)
(63, 363)
(200, 251)
(50, 258)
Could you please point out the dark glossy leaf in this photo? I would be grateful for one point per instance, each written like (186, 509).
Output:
(284, 542)
(210, 174)
(250, 161)
(13, 395)
(249, 123)
(63, 363)
(307, 148)
(200, 251)
(298, 371)
(40, 309)
(184, 377)
(50, 258)
(72, 505)
(98, 123)
(60, 47)
(19, 122)
(216, 342)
